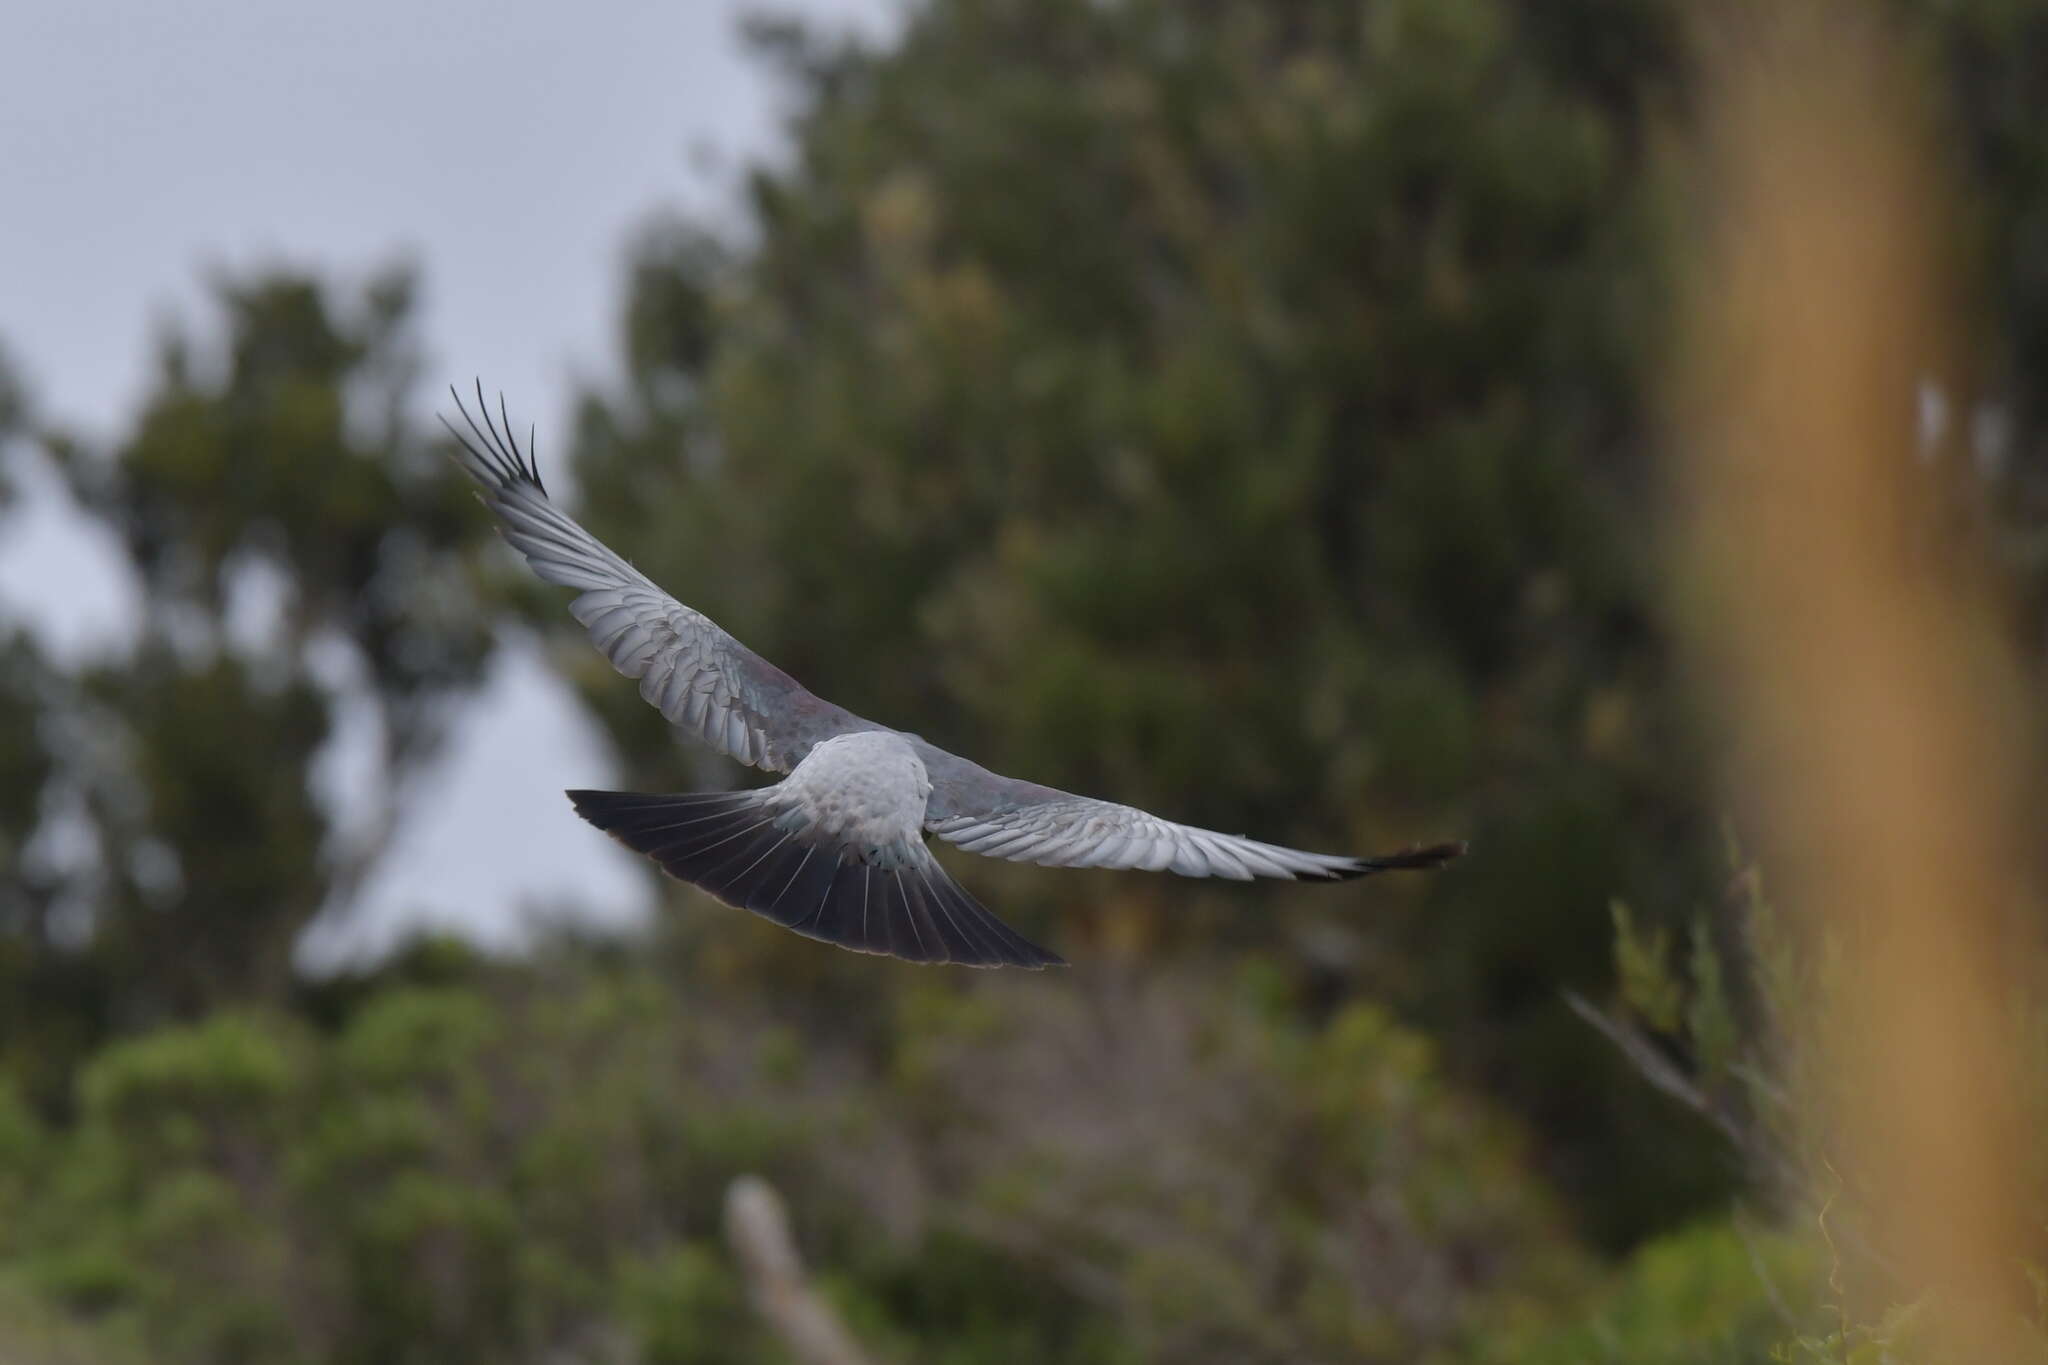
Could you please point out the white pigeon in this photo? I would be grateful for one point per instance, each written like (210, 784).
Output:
(836, 849)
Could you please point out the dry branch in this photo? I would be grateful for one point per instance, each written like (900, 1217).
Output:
(757, 1225)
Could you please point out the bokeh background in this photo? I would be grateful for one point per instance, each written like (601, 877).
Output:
(1253, 411)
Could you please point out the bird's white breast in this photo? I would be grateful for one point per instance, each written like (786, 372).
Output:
(867, 789)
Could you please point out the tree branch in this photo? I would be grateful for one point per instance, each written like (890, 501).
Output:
(757, 1226)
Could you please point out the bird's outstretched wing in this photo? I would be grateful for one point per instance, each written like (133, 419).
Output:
(1002, 817)
(704, 681)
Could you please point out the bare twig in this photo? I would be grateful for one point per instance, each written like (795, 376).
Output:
(1751, 1142)
(1658, 1070)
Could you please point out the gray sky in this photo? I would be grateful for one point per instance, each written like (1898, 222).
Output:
(508, 148)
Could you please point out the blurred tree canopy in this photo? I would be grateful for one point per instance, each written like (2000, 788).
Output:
(1244, 410)
(529, 1166)
(301, 556)
(1238, 408)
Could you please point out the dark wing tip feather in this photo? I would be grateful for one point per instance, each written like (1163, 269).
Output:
(1410, 859)
(495, 449)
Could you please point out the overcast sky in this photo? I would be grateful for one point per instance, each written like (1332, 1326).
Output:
(508, 148)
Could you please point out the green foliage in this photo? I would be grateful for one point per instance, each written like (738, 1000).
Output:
(1710, 1294)
(1710, 1020)
(1265, 1190)
(1904, 1335)
(686, 1307)
(1642, 964)
(1761, 1071)
(495, 1169)
(222, 1075)
(32, 1333)
(301, 554)
(14, 415)
(1230, 408)
(1234, 407)
(26, 763)
(23, 1152)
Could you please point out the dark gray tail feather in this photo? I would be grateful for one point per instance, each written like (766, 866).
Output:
(732, 845)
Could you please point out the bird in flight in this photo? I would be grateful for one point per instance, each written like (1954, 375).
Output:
(836, 849)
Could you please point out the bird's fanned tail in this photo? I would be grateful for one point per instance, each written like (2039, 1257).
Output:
(746, 851)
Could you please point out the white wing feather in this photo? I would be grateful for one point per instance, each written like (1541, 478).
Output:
(701, 679)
